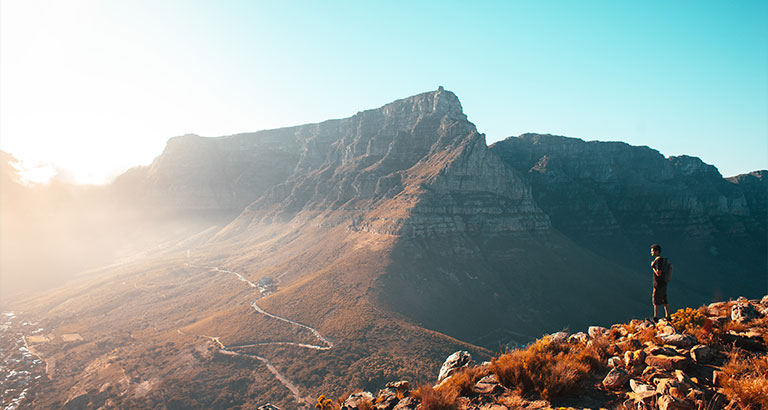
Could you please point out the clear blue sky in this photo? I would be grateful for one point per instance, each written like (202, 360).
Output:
(683, 77)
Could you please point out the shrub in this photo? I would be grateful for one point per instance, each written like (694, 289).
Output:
(688, 320)
(550, 369)
(431, 399)
(746, 380)
(324, 403)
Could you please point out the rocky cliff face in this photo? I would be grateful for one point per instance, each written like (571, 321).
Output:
(412, 167)
(601, 187)
(616, 199)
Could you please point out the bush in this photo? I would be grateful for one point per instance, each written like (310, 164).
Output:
(550, 369)
(746, 380)
(431, 399)
(688, 320)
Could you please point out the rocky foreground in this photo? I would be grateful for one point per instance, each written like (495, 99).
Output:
(709, 358)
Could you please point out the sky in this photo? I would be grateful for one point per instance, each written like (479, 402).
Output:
(91, 88)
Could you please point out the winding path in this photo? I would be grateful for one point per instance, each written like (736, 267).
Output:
(232, 350)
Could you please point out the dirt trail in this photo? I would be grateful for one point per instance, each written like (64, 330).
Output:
(232, 350)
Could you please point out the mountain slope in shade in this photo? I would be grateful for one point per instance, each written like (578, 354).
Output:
(615, 199)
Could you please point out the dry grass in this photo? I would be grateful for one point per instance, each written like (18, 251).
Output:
(550, 369)
(431, 399)
(463, 380)
(746, 380)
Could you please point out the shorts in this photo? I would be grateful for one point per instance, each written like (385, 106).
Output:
(660, 294)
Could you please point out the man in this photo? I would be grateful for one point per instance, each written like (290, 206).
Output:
(659, 284)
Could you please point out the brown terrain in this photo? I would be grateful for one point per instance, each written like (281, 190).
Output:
(278, 265)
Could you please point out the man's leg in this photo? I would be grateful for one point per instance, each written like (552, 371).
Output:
(666, 310)
(655, 312)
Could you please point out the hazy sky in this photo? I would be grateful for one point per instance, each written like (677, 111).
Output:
(92, 87)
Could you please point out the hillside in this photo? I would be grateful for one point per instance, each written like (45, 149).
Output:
(714, 357)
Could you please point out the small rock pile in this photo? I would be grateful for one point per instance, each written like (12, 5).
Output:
(654, 366)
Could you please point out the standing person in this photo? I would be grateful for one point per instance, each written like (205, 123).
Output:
(659, 283)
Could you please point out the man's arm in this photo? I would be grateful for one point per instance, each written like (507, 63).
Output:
(656, 266)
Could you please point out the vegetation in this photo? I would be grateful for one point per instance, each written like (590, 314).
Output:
(431, 399)
(746, 379)
(550, 369)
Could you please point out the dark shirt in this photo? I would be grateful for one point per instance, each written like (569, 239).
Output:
(658, 264)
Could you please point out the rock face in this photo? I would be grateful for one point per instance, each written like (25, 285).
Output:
(616, 199)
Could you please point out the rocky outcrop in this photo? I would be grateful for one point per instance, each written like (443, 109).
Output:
(652, 376)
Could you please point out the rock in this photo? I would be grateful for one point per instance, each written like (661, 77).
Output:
(631, 344)
(402, 386)
(764, 300)
(633, 358)
(454, 362)
(489, 385)
(664, 329)
(355, 400)
(668, 402)
(716, 309)
(386, 399)
(558, 337)
(615, 361)
(743, 312)
(668, 363)
(748, 343)
(595, 331)
(579, 337)
(616, 379)
(638, 387)
(662, 351)
(407, 403)
(701, 353)
(269, 406)
(679, 340)
(653, 375)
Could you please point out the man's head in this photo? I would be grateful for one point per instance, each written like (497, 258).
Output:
(655, 249)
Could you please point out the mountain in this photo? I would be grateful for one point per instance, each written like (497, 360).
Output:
(615, 199)
(290, 262)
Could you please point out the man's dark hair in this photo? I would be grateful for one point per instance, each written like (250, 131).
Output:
(656, 247)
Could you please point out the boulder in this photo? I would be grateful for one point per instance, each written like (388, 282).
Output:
(638, 387)
(401, 386)
(269, 406)
(386, 399)
(579, 337)
(558, 337)
(454, 362)
(616, 379)
(764, 300)
(662, 351)
(615, 361)
(679, 340)
(595, 331)
(668, 363)
(407, 403)
(355, 401)
(633, 358)
(489, 385)
(669, 402)
(701, 353)
(631, 344)
(743, 312)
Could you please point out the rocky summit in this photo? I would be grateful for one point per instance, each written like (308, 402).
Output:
(279, 265)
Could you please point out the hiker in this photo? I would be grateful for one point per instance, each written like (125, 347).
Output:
(660, 267)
